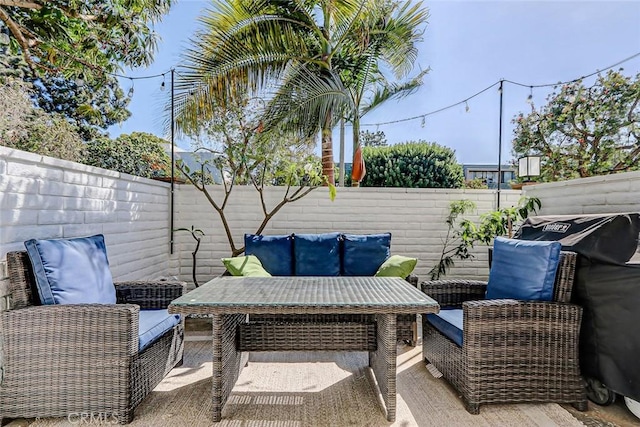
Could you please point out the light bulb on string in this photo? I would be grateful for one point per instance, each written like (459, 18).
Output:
(530, 97)
(162, 84)
(80, 80)
(423, 122)
(131, 88)
(466, 107)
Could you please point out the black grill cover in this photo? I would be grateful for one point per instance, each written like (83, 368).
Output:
(609, 238)
(608, 289)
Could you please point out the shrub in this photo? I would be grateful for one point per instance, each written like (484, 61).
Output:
(418, 164)
(139, 153)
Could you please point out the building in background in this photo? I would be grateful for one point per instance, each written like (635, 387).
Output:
(489, 174)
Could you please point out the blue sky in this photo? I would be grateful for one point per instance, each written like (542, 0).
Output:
(469, 45)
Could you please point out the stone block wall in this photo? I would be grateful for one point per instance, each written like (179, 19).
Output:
(43, 197)
(415, 217)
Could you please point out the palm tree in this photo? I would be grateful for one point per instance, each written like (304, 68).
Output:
(286, 51)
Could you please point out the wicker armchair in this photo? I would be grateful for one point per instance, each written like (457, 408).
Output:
(80, 360)
(512, 351)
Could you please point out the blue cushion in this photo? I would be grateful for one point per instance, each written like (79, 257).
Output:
(523, 269)
(274, 252)
(449, 323)
(364, 254)
(152, 324)
(317, 254)
(72, 271)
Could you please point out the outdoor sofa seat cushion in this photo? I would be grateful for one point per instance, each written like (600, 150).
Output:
(363, 254)
(72, 271)
(323, 254)
(274, 252)
(152, 324)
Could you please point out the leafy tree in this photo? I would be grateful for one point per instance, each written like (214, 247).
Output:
(373, 139)
(417, 164)
(140, 154)
(296, 46)
(232, 142)
(92, 106)
(463, 234)
(584, 131)
(86, 37)
(24, 127)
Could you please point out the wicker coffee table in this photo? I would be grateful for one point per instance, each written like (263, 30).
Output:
(231, 299)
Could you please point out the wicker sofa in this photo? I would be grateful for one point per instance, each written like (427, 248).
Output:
(512, 350)
(357, 332)
(81, 360)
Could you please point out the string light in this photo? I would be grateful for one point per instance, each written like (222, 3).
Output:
(530, 97)
(466, 107)
(423, 121)
(131, 88)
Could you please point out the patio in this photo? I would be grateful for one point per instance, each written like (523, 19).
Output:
(329, 389)
(44, 197)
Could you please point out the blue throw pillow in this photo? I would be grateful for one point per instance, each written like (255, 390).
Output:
(523, 269)
(317, 254)
(72, 271)
(274, 252)
(364, 254)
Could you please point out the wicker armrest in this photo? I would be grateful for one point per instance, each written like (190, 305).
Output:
(40, 334)
(523, 324)
(148, 295)
(452, 293)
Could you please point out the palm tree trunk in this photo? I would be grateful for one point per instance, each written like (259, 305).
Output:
(327, 151)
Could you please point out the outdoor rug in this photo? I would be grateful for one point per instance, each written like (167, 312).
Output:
(319, 389)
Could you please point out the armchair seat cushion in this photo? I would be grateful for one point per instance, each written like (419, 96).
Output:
(449, 323)
(523, 270)
(72, 271)
(152, 324)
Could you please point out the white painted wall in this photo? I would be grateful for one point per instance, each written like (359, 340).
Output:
(43, 197)
(616, 193)
(415, 217)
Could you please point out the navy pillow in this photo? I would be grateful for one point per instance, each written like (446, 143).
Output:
(317, 254)
(274, 252)
(72, 271)
(364, 254)
(523, 269)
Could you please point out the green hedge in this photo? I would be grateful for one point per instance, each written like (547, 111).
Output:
(418, 164)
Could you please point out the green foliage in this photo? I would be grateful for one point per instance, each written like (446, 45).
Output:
(82, 37)
(463, 234)
(584, 131)
(475, 184)
(454, 245)
(311, 56)
(30, 129)
(139, 153)
(412, 165)
(373, 139)
(232, 141)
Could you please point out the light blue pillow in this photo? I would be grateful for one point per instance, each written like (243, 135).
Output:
(523, 269)
(317, 254)
(363, 254)
(72, 271)
(274, 252)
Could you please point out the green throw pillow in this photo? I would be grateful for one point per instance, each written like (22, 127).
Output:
(397, 266)
(248, 265)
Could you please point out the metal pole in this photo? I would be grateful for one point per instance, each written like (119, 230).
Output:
(171, 219)
(342, 152)
(500, 147)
